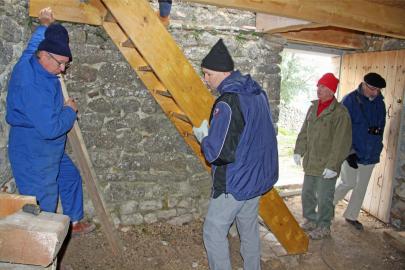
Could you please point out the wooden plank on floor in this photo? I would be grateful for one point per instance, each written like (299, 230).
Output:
(282, 223)
(396, 239)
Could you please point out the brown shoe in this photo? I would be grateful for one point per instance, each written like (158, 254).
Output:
(81, 227)
(165, 20)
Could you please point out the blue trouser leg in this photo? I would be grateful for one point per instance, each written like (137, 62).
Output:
(164, 9)
(36, 177)
(222, 211)
(70, 189)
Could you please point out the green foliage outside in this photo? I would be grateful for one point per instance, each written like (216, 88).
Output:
(286, 142)
(295, 77)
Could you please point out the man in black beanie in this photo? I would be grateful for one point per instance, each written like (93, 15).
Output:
(367, 112)
(241, 147)
(40, 119)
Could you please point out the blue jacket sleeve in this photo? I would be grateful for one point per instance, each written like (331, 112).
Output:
(33, 44)
(348, 102)
(213, 144)
(45, 113)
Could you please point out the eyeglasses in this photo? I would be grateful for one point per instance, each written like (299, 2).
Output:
(60, 64)
(372, 88)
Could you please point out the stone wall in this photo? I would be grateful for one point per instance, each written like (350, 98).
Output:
(398, 199)
(14, 31)
(145, 170)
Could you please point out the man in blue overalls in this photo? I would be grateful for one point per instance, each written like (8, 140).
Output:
(40, 119)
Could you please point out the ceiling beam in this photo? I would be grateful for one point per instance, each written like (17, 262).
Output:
(271, 24)
(267, 22)
(327, 37)
(88, 12)
(360, 15)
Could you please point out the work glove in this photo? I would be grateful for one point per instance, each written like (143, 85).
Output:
(297, 159)
(352, 160)
(201, 132)
(327, 174)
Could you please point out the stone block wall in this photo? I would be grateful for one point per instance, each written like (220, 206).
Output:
(145, 170)
(398, 197)
(14, 31)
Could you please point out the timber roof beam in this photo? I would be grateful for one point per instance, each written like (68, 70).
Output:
(361, 15)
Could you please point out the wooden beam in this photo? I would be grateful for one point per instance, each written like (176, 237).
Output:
(328, 37)
(269, 23)
(11, 203)
(30, 239)
(282, 223)
(273, 24)
(298, 27)
(88, 12)
(360, 15)
(90, 179)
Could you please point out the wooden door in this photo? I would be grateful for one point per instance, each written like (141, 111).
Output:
(391, 66)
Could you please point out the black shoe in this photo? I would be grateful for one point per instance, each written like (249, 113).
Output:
(356, 224)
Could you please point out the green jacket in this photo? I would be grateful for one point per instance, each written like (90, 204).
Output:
(324, 141)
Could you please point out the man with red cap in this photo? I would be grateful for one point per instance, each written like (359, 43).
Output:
(367, 111)
(40, 119)
(324, 141)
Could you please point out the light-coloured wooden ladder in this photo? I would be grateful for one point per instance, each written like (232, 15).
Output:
(170, 78)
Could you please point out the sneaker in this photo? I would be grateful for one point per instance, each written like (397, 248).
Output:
(308, 226)
(81, 227)
(356, 224)
(320, 233)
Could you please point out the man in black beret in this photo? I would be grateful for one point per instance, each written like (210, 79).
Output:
(367, 112)
(241, 147)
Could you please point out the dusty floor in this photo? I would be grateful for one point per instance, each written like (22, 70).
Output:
(162, 246)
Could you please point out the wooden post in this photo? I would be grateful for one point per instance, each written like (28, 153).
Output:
(90, 179)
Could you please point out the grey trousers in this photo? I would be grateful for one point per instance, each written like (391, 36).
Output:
(356, 179)
(317, 199)
(222, 212)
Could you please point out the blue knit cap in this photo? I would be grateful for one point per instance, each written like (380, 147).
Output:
(56, 41)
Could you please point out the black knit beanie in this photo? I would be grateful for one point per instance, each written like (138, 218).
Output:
(56, 41)
(218, 59)
(375, 80)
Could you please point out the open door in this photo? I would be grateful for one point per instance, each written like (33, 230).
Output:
(391, 66)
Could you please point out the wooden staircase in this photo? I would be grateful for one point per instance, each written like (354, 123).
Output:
(170, 78)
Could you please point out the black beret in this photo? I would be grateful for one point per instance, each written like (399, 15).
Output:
(375, 80)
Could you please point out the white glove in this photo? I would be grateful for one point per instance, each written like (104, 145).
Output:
(201, 132)
(327, 174)
(297, 159)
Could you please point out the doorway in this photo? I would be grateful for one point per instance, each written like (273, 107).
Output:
(300, 71)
